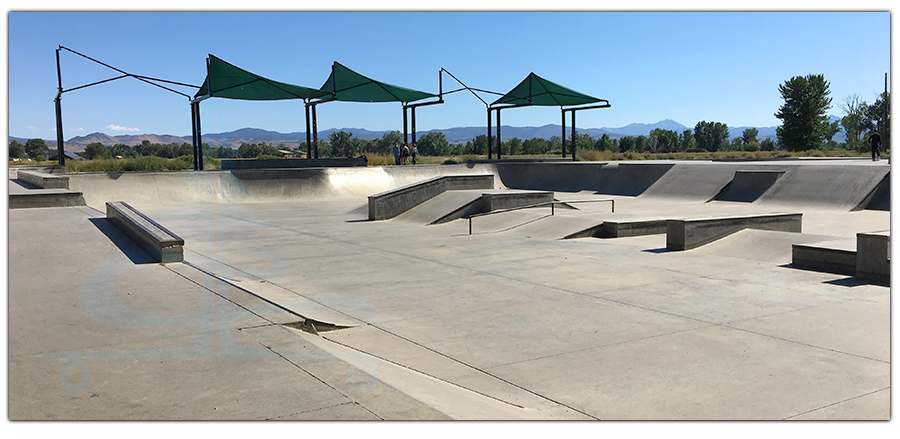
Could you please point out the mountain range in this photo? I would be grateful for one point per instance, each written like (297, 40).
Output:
(453, 135)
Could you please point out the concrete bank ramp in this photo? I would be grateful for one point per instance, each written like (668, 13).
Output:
(445, 207)
(758, 245)
(253, 185)
(844, 184)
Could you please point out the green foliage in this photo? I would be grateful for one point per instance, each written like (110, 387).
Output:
(36, 149)
(604, 143)
(686, 140)
(340, 144)
(512, 146)
(17, 150)
(804, 121)
(661, 140)
(143, 163)
(433, 143)
(749, 136)
(711, 136)
(535, 146)
(96, 150)
(479, 146)
(874, 115)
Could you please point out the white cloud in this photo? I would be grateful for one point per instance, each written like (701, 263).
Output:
(31, 127)
(118, 128)
(78, 129)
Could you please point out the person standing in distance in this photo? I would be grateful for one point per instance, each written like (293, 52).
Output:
(875, 139)
(414, 152)
(396, 154)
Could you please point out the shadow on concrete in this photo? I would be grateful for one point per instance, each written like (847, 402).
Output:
(126, 245)
(849, 282)
(656, 250)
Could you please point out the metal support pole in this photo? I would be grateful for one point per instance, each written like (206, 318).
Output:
(60, 143)
(489, 138)
(413, 114)
(199, 141)
(499, 139)
(573, 135)
(194, 132)
(563, 140)
(405, 128)
(315, 138)
(884, 117)
(308, 134)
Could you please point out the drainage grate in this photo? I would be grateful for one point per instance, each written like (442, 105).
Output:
(314, 326)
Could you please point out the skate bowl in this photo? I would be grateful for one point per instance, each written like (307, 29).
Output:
(843, 185)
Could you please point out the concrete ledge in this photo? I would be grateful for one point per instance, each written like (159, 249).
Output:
(684, 234)
(35, 199)
(153, 238)
(228, 164)
(827, 259)
(621, 229)
(507, 199)
(873, 256)
(389, 204)
(44, 180)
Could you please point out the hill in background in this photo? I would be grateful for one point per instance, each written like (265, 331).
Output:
(453, 135)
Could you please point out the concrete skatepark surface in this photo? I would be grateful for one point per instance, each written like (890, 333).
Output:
(291, 305)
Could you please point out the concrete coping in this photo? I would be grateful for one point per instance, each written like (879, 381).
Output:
(152, 237)
(688, 233)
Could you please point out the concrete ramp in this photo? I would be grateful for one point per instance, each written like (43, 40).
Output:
(880, 198)
(828, 185)
(557, 177)
(747, 186)
(633, 179)
(444, 207)
(253, 185)
(759, 245)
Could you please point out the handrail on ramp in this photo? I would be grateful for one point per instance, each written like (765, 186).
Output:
(552, 208)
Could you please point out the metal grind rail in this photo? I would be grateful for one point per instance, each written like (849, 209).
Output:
(552, 205)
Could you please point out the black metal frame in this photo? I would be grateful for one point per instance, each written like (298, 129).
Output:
(60, 142)
(562, 138)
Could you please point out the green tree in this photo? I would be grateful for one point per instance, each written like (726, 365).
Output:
(582, 141)
(626, 144)
(711, 136)
(830, 131)
(661, 140)
(513, 146)
(36, 149)
(804, 121)
(120, 149)
(604, 143)
(768, 145)
(479, 146)
(749, 136)
(95, 151)
(17, 150)
(249, 151)
(535, 146)
(433, 144)
(340, 144)
(874, 118)
(853, 121)
(686, 141)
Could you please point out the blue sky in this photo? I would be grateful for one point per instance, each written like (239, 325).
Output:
(685, 66)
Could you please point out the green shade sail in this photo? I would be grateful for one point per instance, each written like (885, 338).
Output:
(224, 80)
(346, 85)
(535, 90)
